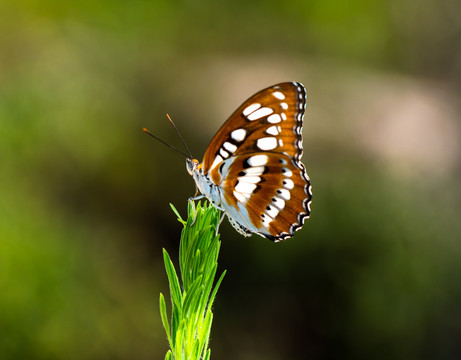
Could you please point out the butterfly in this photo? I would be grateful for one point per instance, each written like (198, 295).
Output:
(252, 168)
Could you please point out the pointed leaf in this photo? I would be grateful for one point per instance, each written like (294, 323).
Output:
(175, 289)
(177, 214)
(164, 318)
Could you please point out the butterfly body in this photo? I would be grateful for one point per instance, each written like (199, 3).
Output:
(252, 170)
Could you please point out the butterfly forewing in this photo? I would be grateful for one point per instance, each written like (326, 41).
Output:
(270, 120)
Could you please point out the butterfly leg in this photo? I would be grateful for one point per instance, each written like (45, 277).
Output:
(196, 198)
(219, 224)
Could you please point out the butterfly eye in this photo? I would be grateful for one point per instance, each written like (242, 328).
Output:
(192, 165)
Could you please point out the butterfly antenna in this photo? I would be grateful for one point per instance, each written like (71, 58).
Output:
(182, 140)
(165, 143)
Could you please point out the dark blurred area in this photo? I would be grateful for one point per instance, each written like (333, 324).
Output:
(84, 192)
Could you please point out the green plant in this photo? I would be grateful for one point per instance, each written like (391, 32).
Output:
(188, 331)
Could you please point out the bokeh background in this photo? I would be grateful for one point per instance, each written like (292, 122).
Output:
(84, 194)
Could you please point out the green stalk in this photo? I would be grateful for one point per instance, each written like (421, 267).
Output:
(192, 295)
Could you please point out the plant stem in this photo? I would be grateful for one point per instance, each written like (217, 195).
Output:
(192, 294)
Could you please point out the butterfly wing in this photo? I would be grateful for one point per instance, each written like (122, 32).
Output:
(271, 193)
(275, 113)
(255, 158)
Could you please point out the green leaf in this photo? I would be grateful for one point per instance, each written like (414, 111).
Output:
(164, 318)
(179, 343)
(213, 295)
(175, 289)
(177, 214)
(204, 332)
(192, 295)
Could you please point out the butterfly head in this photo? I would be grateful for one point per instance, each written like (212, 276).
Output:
(192, 165)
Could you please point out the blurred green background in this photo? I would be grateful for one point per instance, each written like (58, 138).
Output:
(375, 273)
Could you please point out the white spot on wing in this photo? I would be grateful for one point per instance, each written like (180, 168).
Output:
(287, 172)
(267, 143)
(266, 220)
(274, 119)
(272, 211)
(245, 187)
(216, 161)
(249, 179)
(260, 113)
(256, 170)
(240, 197)
(284, 105)
(258, 160)
(280, 203)
(238, 135)
(223, 153)
(284, 193)
(283, 116)
(288, 184)
(249, 109)
(273, 130)
(279, 95)
(229, 147)
(280, 142)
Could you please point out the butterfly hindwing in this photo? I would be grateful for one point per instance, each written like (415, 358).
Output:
(274, 191)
